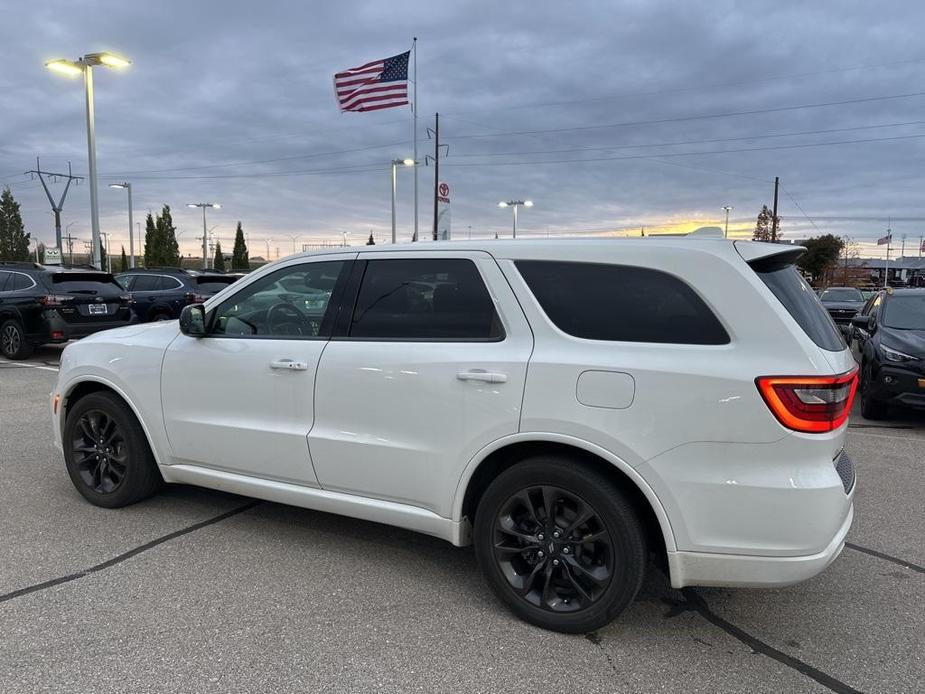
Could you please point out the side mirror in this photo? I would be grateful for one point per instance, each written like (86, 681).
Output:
(193, 320)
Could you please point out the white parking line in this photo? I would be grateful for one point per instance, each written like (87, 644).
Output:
(28, 366)
(885, 436)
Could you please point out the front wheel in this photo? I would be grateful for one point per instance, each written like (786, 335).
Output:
(560, 544)
(871, 408)
(106, 453)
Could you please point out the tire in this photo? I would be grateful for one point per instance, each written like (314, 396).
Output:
(871, 408)
(561, 583)
(127, 472)
(13, 343)
(159, 317)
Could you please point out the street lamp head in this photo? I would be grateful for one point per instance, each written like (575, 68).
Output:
(109, 59)
(191, 204)
(528, 203)
(215, 205)
(408, 162)
(118, 185)
(65, 67)
(727, 207)
(502, 204)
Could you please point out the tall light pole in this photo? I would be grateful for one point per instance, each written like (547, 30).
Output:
(395, 164)
(84, 66)
(515, 204)
(728, 208)
(131, 226)
(205, 232)
(346, 234)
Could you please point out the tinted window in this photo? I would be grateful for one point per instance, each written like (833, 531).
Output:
(803, 304)
(169, 283)
(85, 283)
(126, 280)
(289, 303)
(842, 294)
(621, 303)
(904, 312)
(4, 277)
(146, 283)
(18, 281)
(425, 299)
(213, 285)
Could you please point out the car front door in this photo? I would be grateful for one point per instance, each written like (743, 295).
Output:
(240, 399)
(427, 370)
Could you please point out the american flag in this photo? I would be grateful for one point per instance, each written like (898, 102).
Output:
(884, 240)
(376, 85)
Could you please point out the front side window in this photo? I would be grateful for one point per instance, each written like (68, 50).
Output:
(289, 303)
(621, 303)
(424, 299)
(4, 279)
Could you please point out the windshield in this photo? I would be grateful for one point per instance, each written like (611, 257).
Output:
(842, 294)
(905, 312)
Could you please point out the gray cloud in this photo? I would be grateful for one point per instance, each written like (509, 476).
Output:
(216, 83)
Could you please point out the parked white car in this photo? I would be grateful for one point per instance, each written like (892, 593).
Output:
(573, 408)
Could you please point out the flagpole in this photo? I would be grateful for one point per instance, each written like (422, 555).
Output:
(414, 132)
(889, 240)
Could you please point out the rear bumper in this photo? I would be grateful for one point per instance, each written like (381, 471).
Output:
(54, 325)
(745, 571)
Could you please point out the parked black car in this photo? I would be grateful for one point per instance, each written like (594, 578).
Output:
(44, 304)
(890, 335)
(160, 293)
(842, 303)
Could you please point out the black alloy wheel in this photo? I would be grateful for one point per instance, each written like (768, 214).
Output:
(553, 548)
(560, 543)
(106, 452)
(13, 343)
(99, 452)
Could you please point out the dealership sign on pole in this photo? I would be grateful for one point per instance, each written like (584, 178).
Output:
(443, 212)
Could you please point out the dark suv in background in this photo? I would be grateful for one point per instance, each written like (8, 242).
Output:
(843, 304)
(890, 335)
(44, 304)
(160, 293)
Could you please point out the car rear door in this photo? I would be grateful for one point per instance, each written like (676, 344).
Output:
(427, 370)
(240, 399)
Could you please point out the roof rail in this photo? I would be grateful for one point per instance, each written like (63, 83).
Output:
(156, 267)
(25, 264)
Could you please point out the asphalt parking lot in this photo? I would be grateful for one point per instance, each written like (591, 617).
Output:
(199, 591)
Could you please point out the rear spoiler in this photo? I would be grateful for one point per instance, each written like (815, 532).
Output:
(768, 256)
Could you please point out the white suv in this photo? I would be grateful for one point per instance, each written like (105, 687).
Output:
(573, 408)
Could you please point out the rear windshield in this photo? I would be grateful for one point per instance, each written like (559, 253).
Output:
(803, 304)
(85, 283)
(213, 284)
(904, 312)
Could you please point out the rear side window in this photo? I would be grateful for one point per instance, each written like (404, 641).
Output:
(19, 281)
(424, 299)
(621, 303)
(85, 283)
(802, 303)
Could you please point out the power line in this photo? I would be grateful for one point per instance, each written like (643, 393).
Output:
(679, 119)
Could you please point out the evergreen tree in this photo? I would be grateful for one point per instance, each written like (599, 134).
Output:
(14, 241)
(370, 241)
(124, 264)
(240, 259)
(167, 236)
(40, 253)
(218, 263)
(152, 246)
(763, 225)
(103, 265)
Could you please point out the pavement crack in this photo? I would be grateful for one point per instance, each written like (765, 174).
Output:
(595, 638)
(127, 555)
(697, 602)
(886, 557)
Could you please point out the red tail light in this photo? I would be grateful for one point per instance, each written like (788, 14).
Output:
(54, 299)
(811, 404)
(193, 298)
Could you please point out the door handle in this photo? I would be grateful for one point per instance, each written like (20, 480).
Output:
(483, 376)
(289, 365)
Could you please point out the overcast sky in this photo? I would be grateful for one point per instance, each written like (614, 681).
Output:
(600, 94)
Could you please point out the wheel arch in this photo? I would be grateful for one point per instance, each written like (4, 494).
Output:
(504, 453)
(79, 389)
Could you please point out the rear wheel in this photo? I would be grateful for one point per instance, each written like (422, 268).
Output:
(560, 544)
(13, 343)
(160, 316)
(106, 452)
(871, 408)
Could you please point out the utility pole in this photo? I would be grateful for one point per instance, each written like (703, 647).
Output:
(774, 213)
(436, 167)
(847, 240)
(56, 208)
(902, 252)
